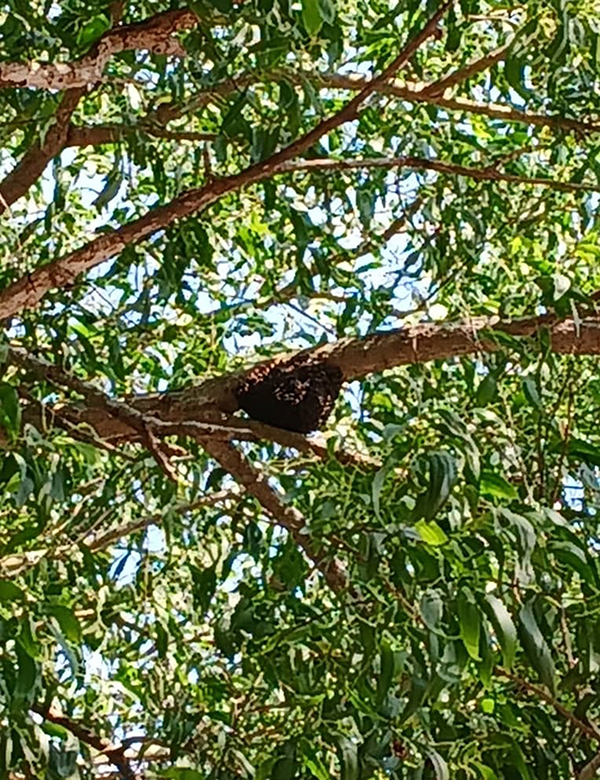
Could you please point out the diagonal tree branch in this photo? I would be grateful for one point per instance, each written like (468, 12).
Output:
(114, 753)
(29, 290)
(154, 34)
(17, 564)
(437, 88)
(95, 397)
(31, 166)
(288, 517)
(590, 770)
(547, 697)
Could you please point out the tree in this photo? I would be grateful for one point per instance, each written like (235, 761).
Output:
(407, 194)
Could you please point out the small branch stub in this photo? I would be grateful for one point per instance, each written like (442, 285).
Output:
(297, 396)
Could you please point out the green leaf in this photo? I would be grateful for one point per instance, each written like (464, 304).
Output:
(328, 10)
(536, 646)
(440, 766)
(495, 485)
(224, 6)
(10, 592)
(92, 30)
(109, 191)
(514, 70)
(486, 392)
(531, 393)
(312, 16)
(469, 619)
(574, 558)
(10, 410)
(504, 628)
(442, 478)
(386, 671)
(348, 759)
(416, 694)
(432, 608)
(26, 672)
(486, 772)
(431, 533)
(378, 482)
(313, 762)
(67, 621)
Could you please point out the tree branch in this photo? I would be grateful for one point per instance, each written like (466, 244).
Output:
(28, 291)
(417, 93)
(115, 754)
(437, 88)
(545, 696)
(95, 135)
(153, 34)
(17, 564)
(417, 163)
(356, 357)
(589, 770)
(32, 164)
(95, 397)
(287, 516)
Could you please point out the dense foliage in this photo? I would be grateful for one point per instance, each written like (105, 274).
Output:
(414, 593)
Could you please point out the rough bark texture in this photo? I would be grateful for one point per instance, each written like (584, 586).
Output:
(29, 290)
(31, 166)
(355, 358)
(153, 34)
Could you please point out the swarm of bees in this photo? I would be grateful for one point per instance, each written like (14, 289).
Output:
(297, 395)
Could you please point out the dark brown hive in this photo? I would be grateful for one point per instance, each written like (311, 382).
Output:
(297, 396)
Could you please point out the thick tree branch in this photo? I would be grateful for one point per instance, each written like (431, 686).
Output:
(28, 291)
(154, 34)
(356, 357)
(32, 164)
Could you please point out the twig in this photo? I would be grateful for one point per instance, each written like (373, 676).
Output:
(115, 754)
(18, 563)
(96, 397)
(113, 535)
(417, 163)
(416, 93)
(547, 697)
